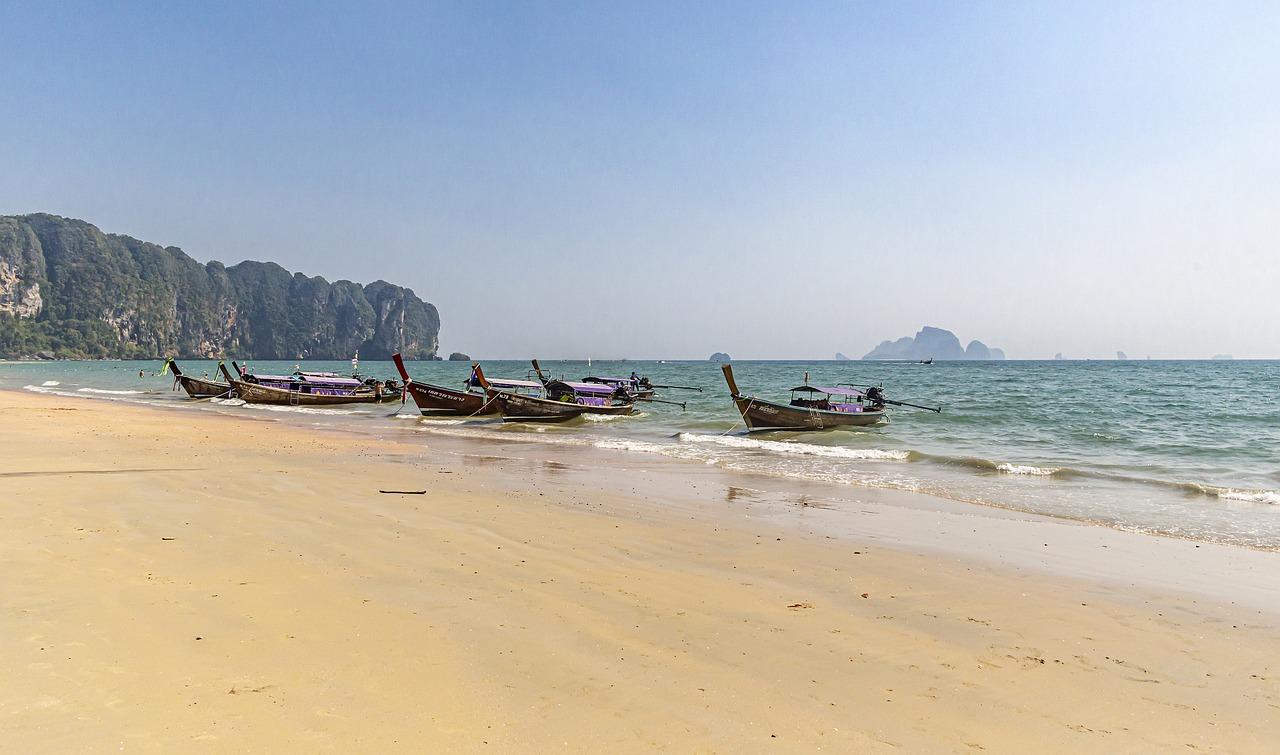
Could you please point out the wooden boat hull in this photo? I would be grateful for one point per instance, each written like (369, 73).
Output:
(197, 388)
(517, 408)
(766, 415)
(253, 393)
(435, 401)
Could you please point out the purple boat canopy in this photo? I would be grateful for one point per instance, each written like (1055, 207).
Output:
(347, 382)
(830, 390)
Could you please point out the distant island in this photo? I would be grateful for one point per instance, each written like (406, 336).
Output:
(458, 356)
(720, 356)
(934, 343)
(68, 290)
(841, 357)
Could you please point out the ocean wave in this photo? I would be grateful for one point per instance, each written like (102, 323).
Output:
(50, 383)
(1027, 469)
(610, 417)
(1253, 496)
(42, 389)
(795, 448)
(106, 392)
(1271, 497)
(299, 409)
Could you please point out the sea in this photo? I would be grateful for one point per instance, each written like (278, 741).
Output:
(1186, 449)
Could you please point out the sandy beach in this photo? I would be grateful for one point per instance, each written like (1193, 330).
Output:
(181, 581)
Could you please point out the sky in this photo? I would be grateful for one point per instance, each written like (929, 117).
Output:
(665, 180)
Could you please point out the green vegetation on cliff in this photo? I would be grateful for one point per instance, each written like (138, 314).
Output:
(69, 290)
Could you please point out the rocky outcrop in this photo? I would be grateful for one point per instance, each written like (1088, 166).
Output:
(932, 343)
(70, 289)
(720, 356)
(977, 350)
(841, 357)
(458, 356)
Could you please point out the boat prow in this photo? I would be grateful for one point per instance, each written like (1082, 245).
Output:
(198, 387)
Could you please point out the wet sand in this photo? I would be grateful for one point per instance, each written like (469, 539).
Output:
(177, 581)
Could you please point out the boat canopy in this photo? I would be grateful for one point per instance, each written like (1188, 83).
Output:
(830, 390)
(331, 381)
(276, 378)
(596, 388)
(318, 374)
(594, 379)
(504, 383)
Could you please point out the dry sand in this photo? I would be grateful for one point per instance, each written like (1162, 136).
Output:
(176, 581)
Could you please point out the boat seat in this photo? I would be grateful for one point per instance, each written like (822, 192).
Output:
(850, 408)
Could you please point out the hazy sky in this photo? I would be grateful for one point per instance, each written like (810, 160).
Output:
(783, 180)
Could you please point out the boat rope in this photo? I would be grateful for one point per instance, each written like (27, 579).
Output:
(742, 421)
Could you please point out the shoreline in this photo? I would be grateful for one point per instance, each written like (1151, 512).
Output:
(1117, 565)
(572, 599)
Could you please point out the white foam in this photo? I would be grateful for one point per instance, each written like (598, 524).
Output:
(41, 389)
(1253, 496)
(609, 417)
(109, 393)
(298, 409)
(50, 383)
(1026, 469)
(802, 449)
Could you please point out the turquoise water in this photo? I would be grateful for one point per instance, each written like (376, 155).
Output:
(1185, 448)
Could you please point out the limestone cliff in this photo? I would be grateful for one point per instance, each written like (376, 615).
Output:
(69, 289)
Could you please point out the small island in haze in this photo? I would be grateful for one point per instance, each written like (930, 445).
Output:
(933, 343)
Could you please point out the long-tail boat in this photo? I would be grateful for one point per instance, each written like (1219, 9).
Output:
(472, 401)
(816, 408)
(311, 389)
(198, 387)
(561, 400)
